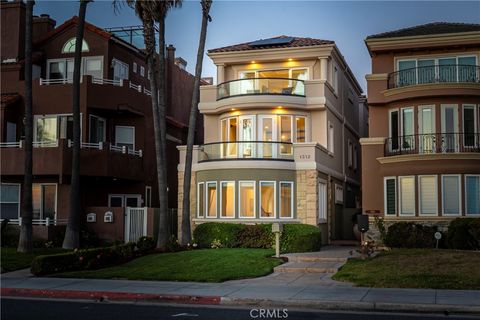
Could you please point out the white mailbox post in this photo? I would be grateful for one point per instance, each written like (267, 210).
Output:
(277, 228)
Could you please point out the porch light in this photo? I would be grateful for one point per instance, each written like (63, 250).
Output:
(233, 109)
(279, 107)
(290, 59)
(252, 62)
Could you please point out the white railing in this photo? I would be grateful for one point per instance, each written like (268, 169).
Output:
(87, 145)
(38, 222)
(137, 87)
(137, 153)
(124, 149)
(108, 81)
(55, 81)
(16, 144)
(45, 144)
(147, 92)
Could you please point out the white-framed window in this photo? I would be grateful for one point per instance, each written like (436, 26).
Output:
(283, 82)
(390, 195)
(93, 66)
(322, 201)
(286, 199)
(69, 46)
(10, 200)
(247, 199)
(428, 194)
(201, 199)
(134, 67)
(124, 200)
(406, 189)
(335, 78)
(330, 137)
(469, 118)
(52, 127)
(227, 199)
(268, 196)
(44, 200)
(63, 68)
(350, 154)
(355, 158)
(286, 134)
(300, 129)
(142, 71)
(211, 199)
(125, 136)
(394, 128)
(407, 129)
(338, 193)
(148, 196)
(97, 129)
(120, 70)
(451, 194)
(472, 194)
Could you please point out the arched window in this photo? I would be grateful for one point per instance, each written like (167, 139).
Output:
(69, 46)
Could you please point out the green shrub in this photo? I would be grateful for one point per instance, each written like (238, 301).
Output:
(300, 238)
(85, 259)
(145, 244)
(10, 235)
(410, 235)
(256, 236)
(463, 233)
(226, 233)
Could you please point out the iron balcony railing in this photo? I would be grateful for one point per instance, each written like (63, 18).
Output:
(247, 150)
(263, 86)
(431, 143)
(453, 73)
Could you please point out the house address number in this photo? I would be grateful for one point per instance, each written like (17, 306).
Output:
(304, 156)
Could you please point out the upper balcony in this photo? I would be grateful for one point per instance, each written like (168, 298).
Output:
(246, 150)
(55, 158)
(261, 86)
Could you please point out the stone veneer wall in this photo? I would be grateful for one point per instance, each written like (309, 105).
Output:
(307, 181)
(193, 201)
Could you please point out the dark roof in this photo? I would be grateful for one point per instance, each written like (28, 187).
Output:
(295, 42)
(428, 29)
(9, 98)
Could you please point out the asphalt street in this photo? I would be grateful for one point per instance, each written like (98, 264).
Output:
(38, 309)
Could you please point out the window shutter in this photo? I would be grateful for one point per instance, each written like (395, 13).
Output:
(391, 205)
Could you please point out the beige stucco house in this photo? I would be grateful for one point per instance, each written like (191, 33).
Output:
(282, 129)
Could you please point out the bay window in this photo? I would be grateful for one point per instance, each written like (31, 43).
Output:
(227, 199)
(201, 200)
(451, 195)
(300, 129)
(286, 199)
(267, 199)
(246, 199)
(472, 194)
(407, 195)
(427, 190)
(211, 199)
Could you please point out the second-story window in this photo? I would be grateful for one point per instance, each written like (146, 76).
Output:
(97, 129)
(63, 68)
(120, 70)
(134, 69)
(50, 128)
(125, 137)
(142, 71)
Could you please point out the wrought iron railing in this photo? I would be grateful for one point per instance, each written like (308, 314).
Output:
(454, 73)
(254, 86)
(433, 143)
(247, 150)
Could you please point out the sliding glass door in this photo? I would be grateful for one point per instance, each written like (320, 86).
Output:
(267, 133)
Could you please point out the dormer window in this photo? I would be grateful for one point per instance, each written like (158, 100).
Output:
(69, 46)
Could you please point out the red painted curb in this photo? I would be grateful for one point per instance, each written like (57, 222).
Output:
(103, 295)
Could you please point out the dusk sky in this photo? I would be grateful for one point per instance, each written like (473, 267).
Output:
(345, 22)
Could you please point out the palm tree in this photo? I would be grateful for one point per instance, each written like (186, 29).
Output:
(186, 232)
(72, 235)
(25, 241)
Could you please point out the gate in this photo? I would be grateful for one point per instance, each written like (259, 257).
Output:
(135, 223)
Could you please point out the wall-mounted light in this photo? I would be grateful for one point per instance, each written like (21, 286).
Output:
(252, 61)
(290, 59)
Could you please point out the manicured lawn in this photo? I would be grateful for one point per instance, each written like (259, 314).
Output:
(415, 268)
(13, 260)
(208, 265)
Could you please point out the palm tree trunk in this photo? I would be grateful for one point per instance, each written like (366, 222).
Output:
(72, 235)
(25, 243)
(162, 164)
(192, 121)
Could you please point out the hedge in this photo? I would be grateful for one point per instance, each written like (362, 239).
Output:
(294, 238)
(464, 233)
(410, 235)
(86, 259)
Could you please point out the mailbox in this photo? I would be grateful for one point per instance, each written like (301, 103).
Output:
(277, 227)
(362, 223)
(108, 217)
(91, 217)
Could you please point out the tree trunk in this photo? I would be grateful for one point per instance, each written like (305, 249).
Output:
(192, 121)
(162, 164)
(25, 243)
(72, 235)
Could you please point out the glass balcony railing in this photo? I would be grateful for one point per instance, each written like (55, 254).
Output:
(248, 150)
(454, 73)
(263, 86)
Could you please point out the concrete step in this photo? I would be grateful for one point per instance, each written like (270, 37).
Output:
(309, 267)
(315, 259)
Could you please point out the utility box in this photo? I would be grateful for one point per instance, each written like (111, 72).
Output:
(277, 227)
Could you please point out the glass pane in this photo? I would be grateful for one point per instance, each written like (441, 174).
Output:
(11, 132)
(447, 70)
(391, 196)
(299, 86)
(451, 201)
(36, 200)
(9, 193)
(300, 129)
(247, 134)
(394, 129)
(286, 200)
(472, 185)
(407, 126)
(276, 83)
(267, 196)
(116, 201)
(407, 74)
(47, 129)
(66, 127)
(49, 195)
(407, 195)
(467, 70)
(97, 129)
(232, 136)
(285, 134)
(428, 195)
(9, 210)
(201, 200)
(469, 126)
(93, 67)
(70, 66)
(124, 135)
(426, 71)
(247, 199)
(211, 200)
(228, 199)
(57, 70)
(131, 201)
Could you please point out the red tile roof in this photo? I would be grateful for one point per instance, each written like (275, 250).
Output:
(428, 29)
(9, 98)
(296, 42)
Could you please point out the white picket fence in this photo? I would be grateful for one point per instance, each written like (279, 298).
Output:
(135, 223)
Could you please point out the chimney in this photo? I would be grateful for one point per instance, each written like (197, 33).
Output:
(181, 63)
(42, 25)
(12, 18)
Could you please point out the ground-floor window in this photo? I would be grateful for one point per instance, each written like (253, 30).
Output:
(124, 200)
(267, 199)
(472, 194)
(390, 195)
(227, 199)
(286, 199)
(201, 200)
(427, 189)
(211, 199)
(451, 194)
(322, 201)
(407, 195)
(246, 199)
(9, 201)
(44, 200)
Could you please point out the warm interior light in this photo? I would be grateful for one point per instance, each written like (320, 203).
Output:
(279, 107)
(233, 109)
(252, 61)
(290, 59)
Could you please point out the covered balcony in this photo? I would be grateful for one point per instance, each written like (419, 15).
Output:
(261, 86)
(246, 150)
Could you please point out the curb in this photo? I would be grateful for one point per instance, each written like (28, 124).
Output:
(109, 296)
(355, 306)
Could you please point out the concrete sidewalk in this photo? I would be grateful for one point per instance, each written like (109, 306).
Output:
(278, 289)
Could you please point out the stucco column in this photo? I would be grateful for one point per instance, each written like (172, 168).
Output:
(323, 68)
(220, 73)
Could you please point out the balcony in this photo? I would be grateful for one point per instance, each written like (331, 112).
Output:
(246, 150)
(55, 158)
(261, 86)
(444, 74)
(433, 143)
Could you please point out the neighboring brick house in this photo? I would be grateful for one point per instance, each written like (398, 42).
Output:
(117, 158)
(421, 161)
(281, 137)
